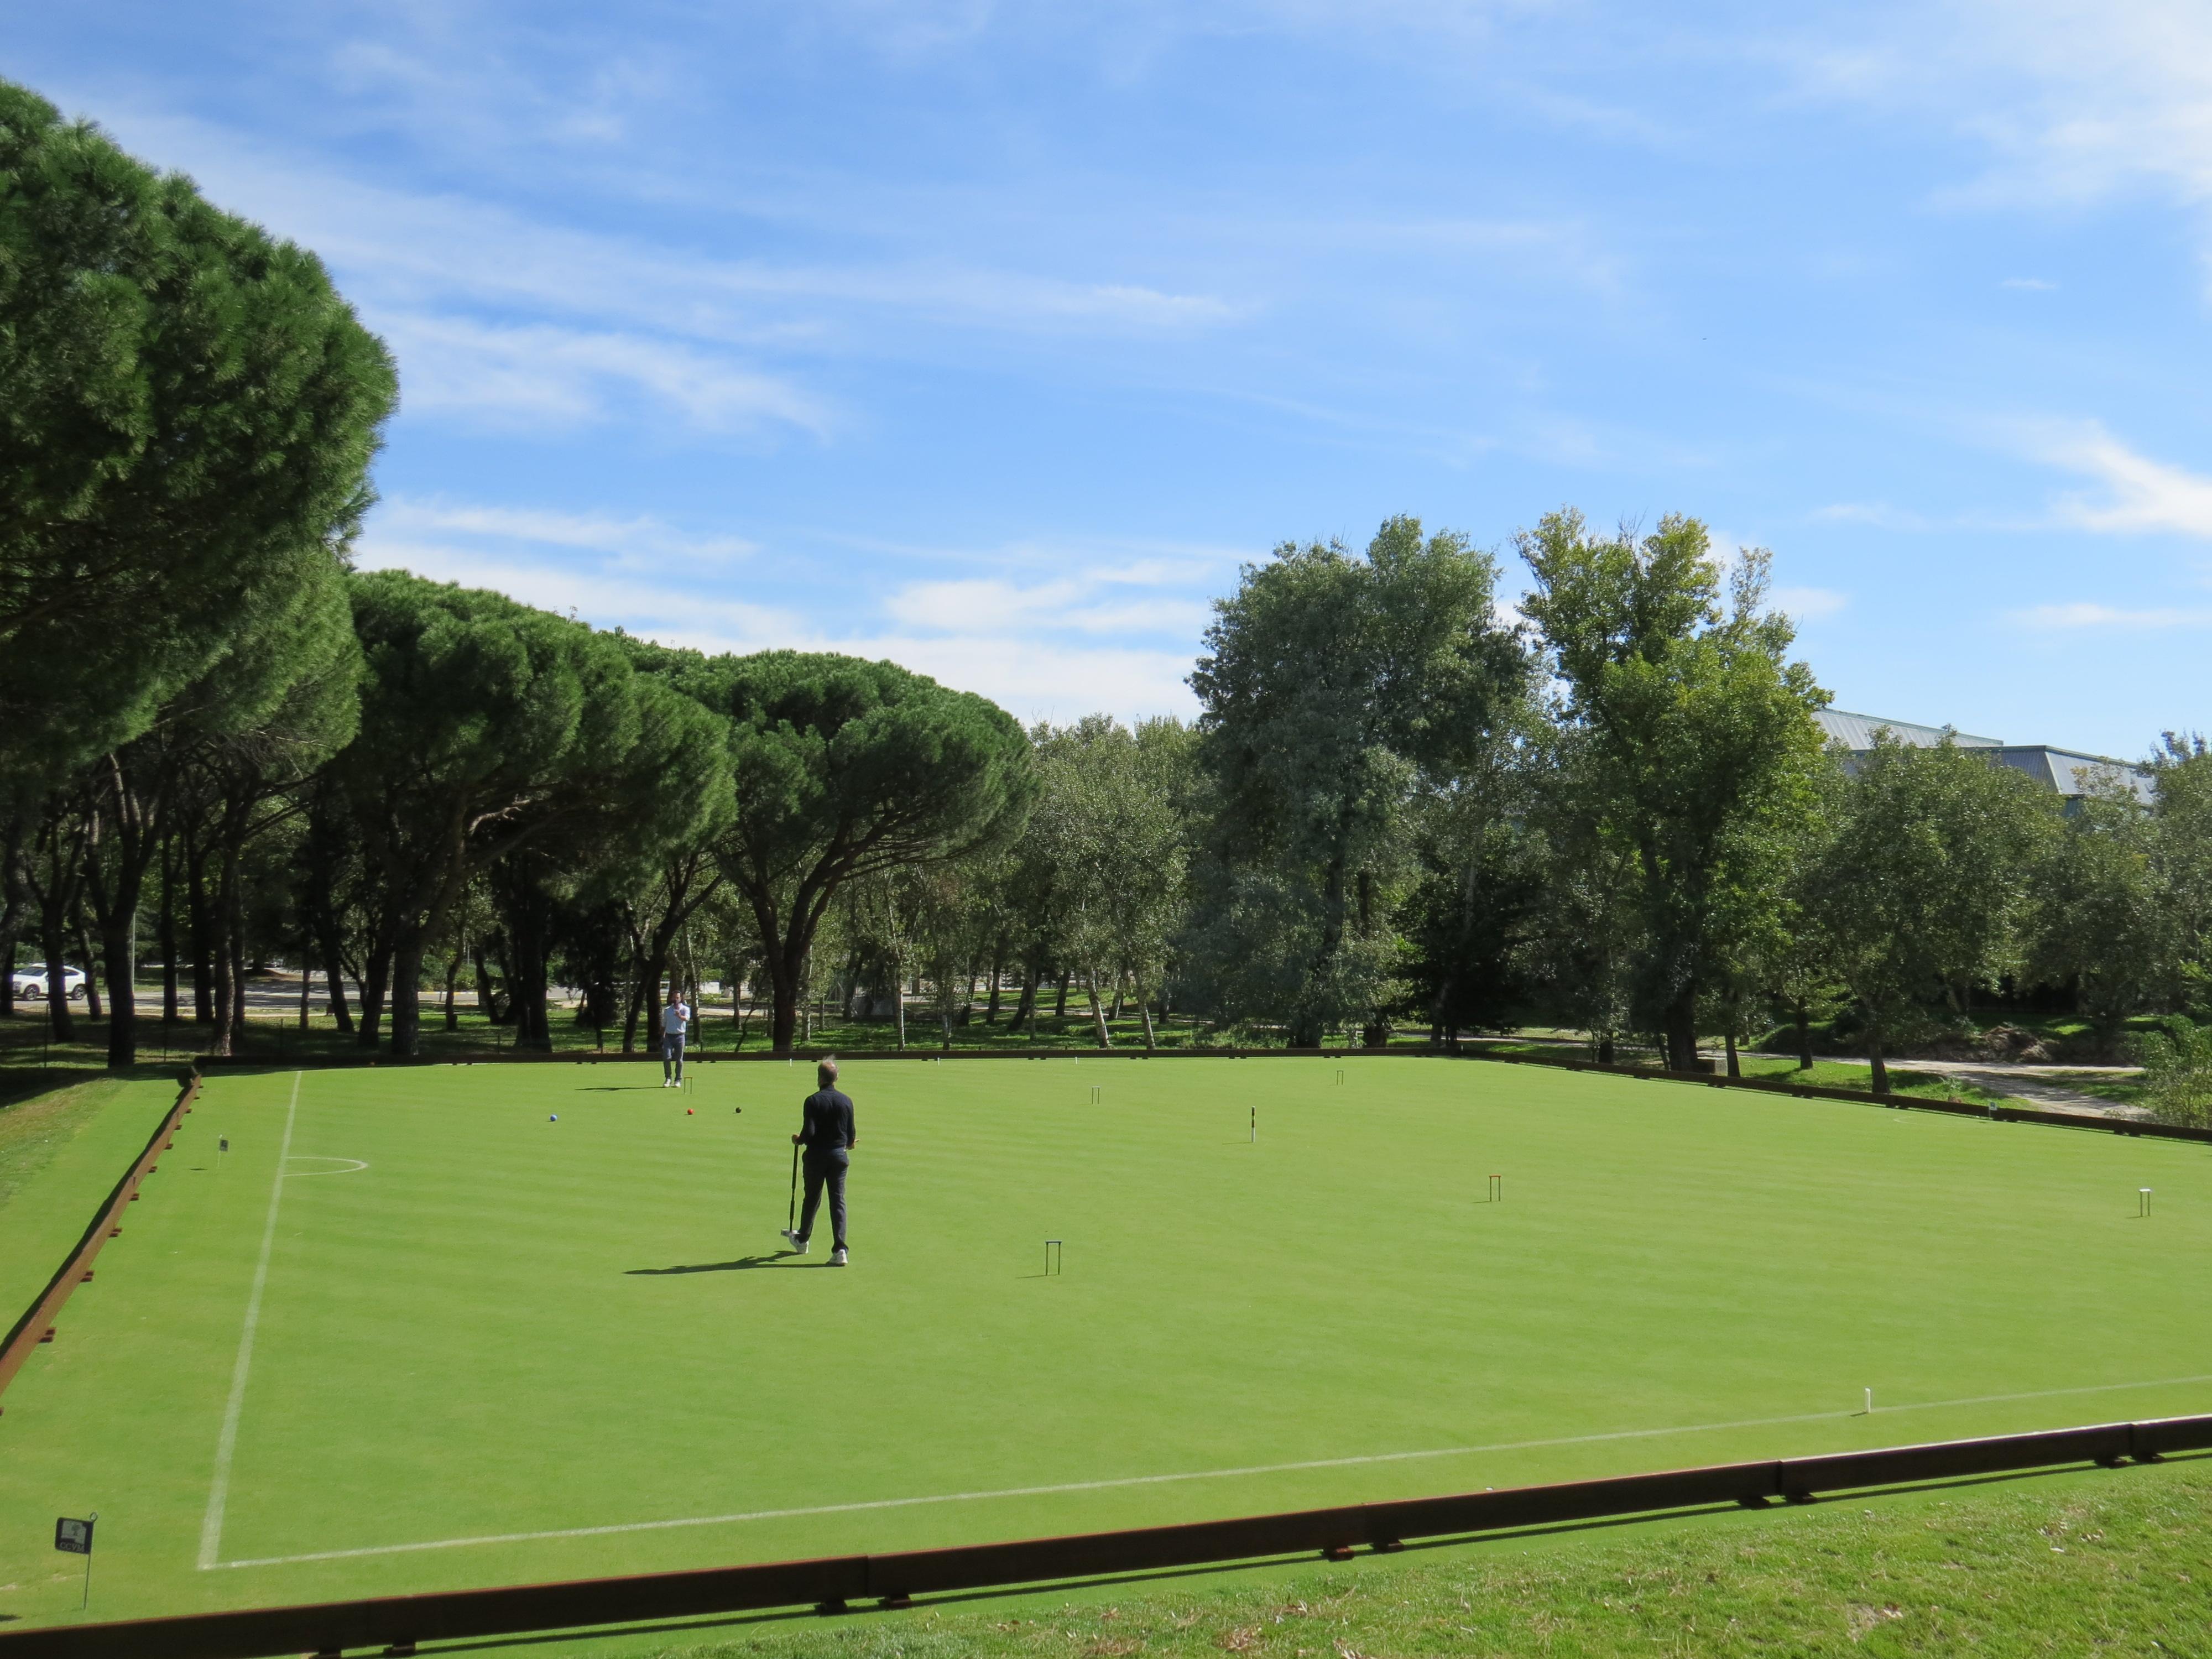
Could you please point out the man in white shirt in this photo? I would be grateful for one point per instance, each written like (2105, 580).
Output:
(675, 1019)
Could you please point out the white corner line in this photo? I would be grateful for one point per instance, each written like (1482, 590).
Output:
(226, 1444)
(1166, 1479)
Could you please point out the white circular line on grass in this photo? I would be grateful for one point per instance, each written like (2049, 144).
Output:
(353, 1165)
(1195, 1474)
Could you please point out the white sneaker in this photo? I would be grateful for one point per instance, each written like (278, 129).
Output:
(836, 1258)
(797, 1244)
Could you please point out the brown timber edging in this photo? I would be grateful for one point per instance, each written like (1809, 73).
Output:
(400, 1622)
(37, 1324)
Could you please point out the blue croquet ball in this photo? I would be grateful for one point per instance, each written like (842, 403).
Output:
(556, 1118)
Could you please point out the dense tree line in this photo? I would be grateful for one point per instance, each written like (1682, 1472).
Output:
(1401, 805)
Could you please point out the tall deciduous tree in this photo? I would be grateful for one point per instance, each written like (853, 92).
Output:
(1331, 686)
(846, 768)
(1923, 881)
(191, 410)
(1110, 822)
(1699, 728)
(2099, 919)
(2182, 850)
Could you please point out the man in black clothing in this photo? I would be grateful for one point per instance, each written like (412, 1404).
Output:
(829, 1138)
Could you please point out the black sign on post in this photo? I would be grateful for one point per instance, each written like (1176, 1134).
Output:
(75, 1538)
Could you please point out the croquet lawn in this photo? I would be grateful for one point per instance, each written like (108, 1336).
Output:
(411, 1333)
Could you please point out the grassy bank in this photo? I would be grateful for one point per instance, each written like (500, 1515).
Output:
(2112, 1566)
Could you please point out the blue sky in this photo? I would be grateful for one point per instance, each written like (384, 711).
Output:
(991, 337)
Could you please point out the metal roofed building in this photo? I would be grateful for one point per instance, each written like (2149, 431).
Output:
(1856, 732)
(2067, 772)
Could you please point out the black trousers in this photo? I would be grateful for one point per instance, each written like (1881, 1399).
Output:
(825, 1170)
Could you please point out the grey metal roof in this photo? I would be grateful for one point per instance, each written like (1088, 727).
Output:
(1855, 732)
(2072, 773)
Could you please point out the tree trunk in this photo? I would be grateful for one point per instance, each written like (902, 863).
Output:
(1881, 1066)
(1059, 1007)
(11, 912)
(326, 934)
(168, 935)
(1680, 1031)
(306, 983)
(899, 1002)
(487, 993)
(223, 992)
(94, 959)
(1145, 1008)
(1735, 1066)
(118, 945)
(1804, 1036)
(407, 994)
(1098, 1010)
(373, 989)
(1605, 1048)
(453, 982)
(200, 931)
(529, 915)
(997, 966)
(1025, 1005)
(52, 934)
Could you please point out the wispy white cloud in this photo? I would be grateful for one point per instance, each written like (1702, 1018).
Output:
(2088, 615)
(1116, 628)
(632, 540)
(500, 316)
(2030, 284)
(543, 374)
(2075, 101)
(1067, 605)
(2140, 495)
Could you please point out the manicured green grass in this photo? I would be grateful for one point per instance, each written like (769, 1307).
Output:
(505, 1326)
(280, 1041)
(61, 1152)
(2105, 1564)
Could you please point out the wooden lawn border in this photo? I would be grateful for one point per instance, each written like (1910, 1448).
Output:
(37, 1324)
(397, 1624)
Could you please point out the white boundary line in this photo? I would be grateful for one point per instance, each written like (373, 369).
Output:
(226, 1445)
(1164, 1479)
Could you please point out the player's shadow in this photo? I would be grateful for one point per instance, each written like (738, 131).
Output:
(617, 1088)
(779, 1259)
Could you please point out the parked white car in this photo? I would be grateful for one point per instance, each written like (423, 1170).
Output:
(32, 982)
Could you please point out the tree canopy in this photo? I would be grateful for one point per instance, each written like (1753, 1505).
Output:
(191, 414)
(846, 768)
(1699, 728)
(1331, 685)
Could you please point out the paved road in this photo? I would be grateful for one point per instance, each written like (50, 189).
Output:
(276, 996)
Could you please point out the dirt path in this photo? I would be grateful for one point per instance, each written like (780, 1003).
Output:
(2044, 1084)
